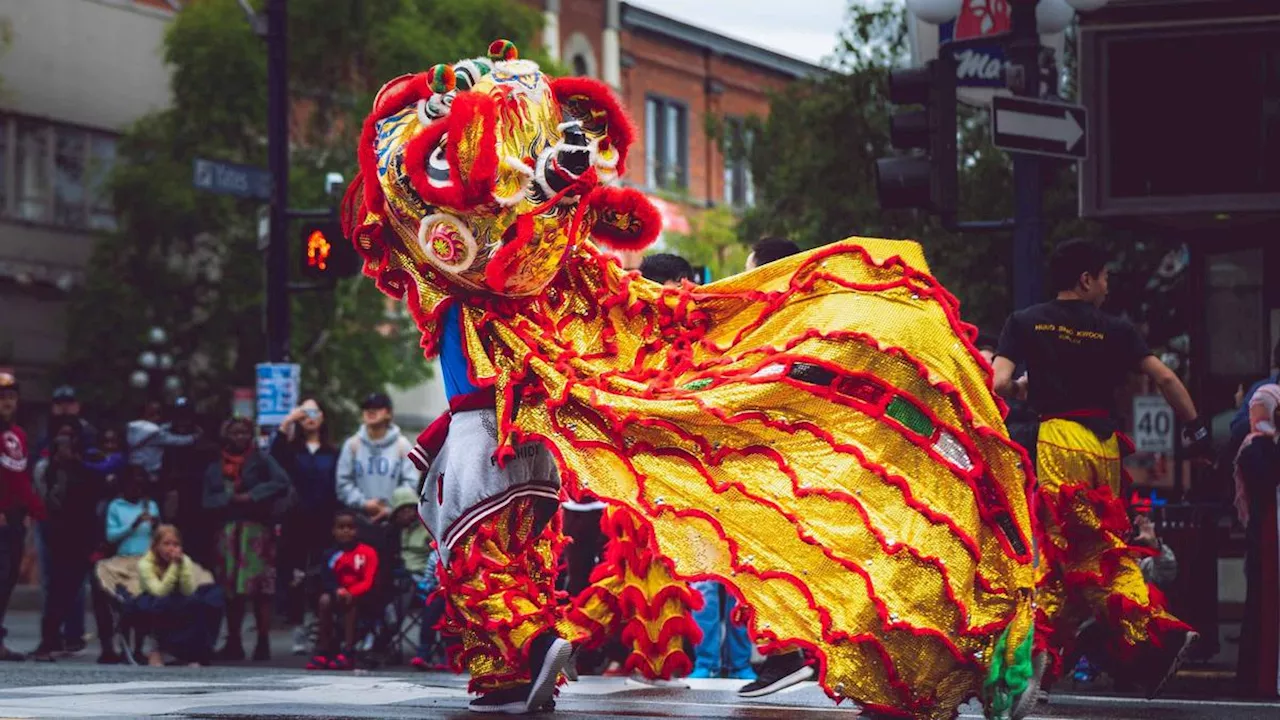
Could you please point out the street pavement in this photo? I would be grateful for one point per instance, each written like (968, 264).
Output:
(79, 689)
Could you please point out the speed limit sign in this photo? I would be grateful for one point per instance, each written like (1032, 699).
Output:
(1152, 424)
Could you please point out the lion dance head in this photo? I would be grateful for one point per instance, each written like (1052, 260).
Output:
(482, 177)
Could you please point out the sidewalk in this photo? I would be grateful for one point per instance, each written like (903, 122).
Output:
(24, 634)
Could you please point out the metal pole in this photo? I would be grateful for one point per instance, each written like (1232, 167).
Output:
(1028, 234)
(278, 162)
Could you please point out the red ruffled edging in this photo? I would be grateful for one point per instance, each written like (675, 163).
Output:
(630, 553)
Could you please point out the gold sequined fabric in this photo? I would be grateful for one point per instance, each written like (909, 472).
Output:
(1089, 568)
(818, 434)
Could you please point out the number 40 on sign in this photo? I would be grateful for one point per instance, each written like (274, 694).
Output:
(1152, 424)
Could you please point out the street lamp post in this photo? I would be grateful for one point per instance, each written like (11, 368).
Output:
(1028, 19)
(155, 366)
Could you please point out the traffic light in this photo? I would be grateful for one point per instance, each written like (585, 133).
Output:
(325, 253)
(925, 180)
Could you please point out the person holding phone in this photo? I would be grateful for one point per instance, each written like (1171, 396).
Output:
(302, 446)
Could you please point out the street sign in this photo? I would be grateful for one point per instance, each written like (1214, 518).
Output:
(226, 178)
(1152, 424)
(278, 386)
(1039, 127)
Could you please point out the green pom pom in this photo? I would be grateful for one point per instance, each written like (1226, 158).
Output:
(1006, 681)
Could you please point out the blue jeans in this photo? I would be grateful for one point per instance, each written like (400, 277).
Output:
(709, 654)
(73, 626)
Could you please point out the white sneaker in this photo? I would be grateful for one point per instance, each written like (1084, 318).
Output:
(673, 684)
(301, 644)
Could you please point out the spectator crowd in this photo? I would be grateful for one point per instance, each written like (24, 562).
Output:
(174, 535)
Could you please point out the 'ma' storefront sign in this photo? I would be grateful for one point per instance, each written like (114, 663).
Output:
(984, 65)
(980, 70)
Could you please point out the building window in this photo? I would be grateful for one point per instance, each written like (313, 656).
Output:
(31, 171)
(739, 190)
(666, 147)
(58, 174)
(580, 66)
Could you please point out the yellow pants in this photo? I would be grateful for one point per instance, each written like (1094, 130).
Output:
(633, 594)
(1087, 568)
(500, 590)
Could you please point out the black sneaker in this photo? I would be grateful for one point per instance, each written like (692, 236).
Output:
(778, 672)
(511, 701)
(1174, 652)
(548, 655)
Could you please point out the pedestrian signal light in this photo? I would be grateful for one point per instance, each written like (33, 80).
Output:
(325, 254)
(318, 249)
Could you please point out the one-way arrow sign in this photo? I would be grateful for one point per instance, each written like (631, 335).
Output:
(1038, 127)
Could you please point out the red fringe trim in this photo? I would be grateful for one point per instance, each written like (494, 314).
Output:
(521, 574)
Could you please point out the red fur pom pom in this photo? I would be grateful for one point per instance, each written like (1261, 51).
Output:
(625, 220)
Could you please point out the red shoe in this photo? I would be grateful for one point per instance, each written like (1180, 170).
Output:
(319, 662)
(341, 662)
(420, 664)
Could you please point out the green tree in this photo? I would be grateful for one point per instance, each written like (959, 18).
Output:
(6, 39)
(813, 161)
(188, 261)
(713, 242)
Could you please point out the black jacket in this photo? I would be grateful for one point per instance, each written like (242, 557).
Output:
(261, 477)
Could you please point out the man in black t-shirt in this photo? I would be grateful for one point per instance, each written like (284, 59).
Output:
(1076, 357)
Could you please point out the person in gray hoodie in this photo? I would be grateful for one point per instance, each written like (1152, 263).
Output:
(375, 461)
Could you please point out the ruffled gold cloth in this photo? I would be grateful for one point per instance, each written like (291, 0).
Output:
(818, 434)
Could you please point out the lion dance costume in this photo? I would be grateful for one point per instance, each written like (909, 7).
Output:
(819, 434)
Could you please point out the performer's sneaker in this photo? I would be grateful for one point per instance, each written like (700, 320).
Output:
(673, 684)
(1031, 695)
(342, 661)
(509, 701)
(548, 656)
(319, 662)
(778, 672)
(1176, 647)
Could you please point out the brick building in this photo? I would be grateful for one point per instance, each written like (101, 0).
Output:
(672, 77)
(64, 102)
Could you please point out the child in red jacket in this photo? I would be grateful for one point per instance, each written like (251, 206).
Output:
(349, 573)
